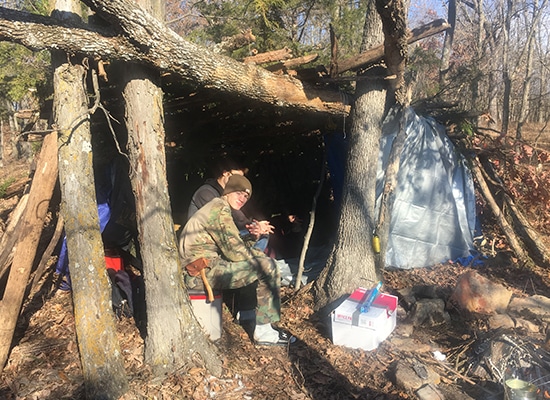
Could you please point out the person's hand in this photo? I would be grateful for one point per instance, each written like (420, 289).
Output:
(259, 228)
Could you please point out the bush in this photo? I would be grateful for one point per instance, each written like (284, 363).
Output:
(4, 186)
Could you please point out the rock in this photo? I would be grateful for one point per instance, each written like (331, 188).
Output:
(501, 321)
(414, 376)
(429, 312)
(505, 321)
(404, 329)
(477, 294)
(425, 291)
(528, 325)
(410, 345)
(536, 306)
(429, 392)
(451, 392)
(406, 297)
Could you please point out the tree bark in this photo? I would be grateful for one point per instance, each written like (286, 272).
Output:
(11, 236)
(394, 25)
(352, 260)
(447, 44)
(145, 40)
(58, 232)
(100, 355)
(173, 334)
(529, 51)
(270, 56)
(506, 70)
(30, 228)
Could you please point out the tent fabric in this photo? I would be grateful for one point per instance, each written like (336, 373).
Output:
(433, 211)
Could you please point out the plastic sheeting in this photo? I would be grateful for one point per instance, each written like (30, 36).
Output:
(433, 212)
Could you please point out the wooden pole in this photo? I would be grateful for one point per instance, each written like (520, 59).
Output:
(31, 229)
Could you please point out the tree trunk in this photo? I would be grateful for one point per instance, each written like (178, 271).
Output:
(173, 334)
(506, 74)
(529, 49)
(352, 260)
(100, 355)
(30, 228)
(447, 44)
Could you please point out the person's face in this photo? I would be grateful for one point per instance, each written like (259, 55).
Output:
(227, 174)
(237, 199)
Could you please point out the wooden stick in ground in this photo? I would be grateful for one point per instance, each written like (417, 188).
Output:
(309, 230)
(33, 221)
(508, 230)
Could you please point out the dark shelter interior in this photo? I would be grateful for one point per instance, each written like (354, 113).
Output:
(289, 153)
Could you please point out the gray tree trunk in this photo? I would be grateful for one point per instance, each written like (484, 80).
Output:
(352, 261)
(532, 22)
(447, 44)
(506, 73)
(100, 355)
(173, 334)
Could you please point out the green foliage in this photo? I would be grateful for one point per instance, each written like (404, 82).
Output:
(467, 128)
(302, 26)
(23, 74)
(4, 186)
(41, 7)
(36, 146)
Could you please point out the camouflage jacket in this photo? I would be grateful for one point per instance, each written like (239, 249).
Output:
(212, 233)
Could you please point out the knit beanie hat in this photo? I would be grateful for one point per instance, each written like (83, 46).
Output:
(238, 183)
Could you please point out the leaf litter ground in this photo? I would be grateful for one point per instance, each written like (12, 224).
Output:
(44, 363)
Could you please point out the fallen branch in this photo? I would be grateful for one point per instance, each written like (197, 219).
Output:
(147, 41)
(531, 237)
(376, 54)
(507, 229)
(270, 56)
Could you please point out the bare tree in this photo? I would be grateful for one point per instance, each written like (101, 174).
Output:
(531, 22)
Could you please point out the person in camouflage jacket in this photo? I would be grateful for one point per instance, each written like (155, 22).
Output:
(233, 262)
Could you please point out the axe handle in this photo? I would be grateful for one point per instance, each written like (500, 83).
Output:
(207, 286)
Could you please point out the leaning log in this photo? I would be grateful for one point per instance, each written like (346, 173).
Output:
(513, 240)
(33, 222)
(270, 56)
(292, 63)
(147, 41)
(11, 235)
(377, 53)
(530, 237)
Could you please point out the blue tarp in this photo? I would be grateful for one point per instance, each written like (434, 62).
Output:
(433, 213)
